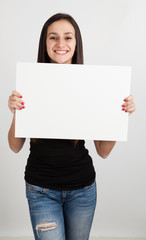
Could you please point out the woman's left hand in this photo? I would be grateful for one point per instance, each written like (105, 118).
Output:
(129, 105)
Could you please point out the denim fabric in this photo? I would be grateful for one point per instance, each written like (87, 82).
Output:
(61, 215)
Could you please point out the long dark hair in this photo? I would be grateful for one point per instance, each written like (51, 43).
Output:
(42, 51)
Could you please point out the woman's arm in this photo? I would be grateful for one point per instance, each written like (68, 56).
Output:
(15, 102)
(15, 143)
(104, 148)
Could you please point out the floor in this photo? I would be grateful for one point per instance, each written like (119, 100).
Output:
(93, 238)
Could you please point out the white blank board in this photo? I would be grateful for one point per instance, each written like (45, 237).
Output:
(72, 101)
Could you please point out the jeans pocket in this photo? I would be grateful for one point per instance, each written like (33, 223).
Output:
(33, 189)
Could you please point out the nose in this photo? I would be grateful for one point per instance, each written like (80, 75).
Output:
(60, 43)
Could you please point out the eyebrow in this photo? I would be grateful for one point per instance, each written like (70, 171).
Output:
(56, 33)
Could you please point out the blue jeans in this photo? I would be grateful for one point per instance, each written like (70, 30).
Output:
(61, 215)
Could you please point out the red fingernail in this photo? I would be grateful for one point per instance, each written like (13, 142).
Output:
(123, 109)
(20, 108)
(123, 105)
(125, 100)
(22, 103)
(23, 106)
(20, 96)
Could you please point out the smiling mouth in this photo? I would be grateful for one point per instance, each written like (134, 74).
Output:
(61, 52)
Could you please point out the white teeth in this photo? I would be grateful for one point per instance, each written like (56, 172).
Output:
(61, 51)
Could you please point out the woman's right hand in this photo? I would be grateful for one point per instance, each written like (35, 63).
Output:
(15, 101)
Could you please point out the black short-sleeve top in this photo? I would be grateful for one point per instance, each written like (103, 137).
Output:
(59, 164)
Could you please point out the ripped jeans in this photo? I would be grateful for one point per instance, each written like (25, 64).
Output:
(61, 215)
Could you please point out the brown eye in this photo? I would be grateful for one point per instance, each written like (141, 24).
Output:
(68, 38)
(53, 38)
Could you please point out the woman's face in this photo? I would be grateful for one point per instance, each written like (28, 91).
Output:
(61, 42)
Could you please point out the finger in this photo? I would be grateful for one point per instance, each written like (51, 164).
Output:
(129, 98)
(15, 98)
(131, 108)
(13, 101)
(124, 105)
(15, 93)
(130, 104)
(15, 104)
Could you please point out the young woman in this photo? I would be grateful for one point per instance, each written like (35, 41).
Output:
(60, 176)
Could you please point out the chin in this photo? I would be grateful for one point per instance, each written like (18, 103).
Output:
(62, 62)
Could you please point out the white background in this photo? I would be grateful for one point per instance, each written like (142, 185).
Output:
(114, 33)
